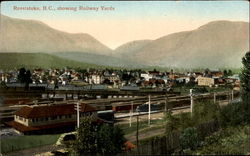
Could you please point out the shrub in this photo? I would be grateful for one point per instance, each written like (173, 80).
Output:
(232, 114)
(172, 123)
(228, 141)
(190, 139)
(205, 111)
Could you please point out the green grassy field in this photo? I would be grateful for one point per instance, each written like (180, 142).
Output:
(38, 60)
(29, 141)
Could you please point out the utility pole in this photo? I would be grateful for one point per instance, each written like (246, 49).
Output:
(78, 115)
(214, 97)
(232, 95)
(131, 114)
(137, 133)
(166, 103)
(77, 108)
(191, 100)
(149, 109)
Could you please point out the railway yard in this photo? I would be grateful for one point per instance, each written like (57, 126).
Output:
(123, 105)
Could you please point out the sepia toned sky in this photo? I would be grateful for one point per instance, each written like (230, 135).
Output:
(129, 20)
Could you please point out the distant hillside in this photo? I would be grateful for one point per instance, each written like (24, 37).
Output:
(216, 44)
(102, 60)
(34, 60)
(18, 35)
(129, 49)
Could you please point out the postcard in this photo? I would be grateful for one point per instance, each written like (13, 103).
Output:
(123, 77)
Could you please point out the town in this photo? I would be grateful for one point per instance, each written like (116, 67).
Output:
(115, 79)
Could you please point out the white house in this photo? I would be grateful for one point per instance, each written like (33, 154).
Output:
(146, 76)
(96, 79)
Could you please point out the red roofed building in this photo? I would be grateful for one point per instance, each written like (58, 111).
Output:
(35, 118)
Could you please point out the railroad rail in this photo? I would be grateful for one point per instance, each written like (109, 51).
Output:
(104, 93)
(172, 101)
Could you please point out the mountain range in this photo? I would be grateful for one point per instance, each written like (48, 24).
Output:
(217, 44)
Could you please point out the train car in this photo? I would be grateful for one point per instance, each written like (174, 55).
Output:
(95, 87)
(107, 115)
(129, 88)
(37, 88)
(145, 107)
(123, 107)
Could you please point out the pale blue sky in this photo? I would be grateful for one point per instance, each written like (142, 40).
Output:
(131, 20)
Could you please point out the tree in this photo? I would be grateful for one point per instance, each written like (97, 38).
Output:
(245, 86)
(230, 73)
(86, 138)
(245, 78)
(110, 139)
(93, 138)
(172, 123)
(118, 139)
(225, 73)
(27, 79)
(238, 113)
(24, 77)
(21, 75)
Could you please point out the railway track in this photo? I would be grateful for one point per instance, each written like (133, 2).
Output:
(126, 115)
(173, 101)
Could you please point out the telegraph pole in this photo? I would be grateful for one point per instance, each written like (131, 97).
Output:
(214, 97)
(149, 109)
(77, 108)
(131, 114)
(232, 95)
(166, 103)
(78, 115)
(137, 133)
(191, 100)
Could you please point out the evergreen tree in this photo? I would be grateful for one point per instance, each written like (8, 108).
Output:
(238, 113)
(21, 75)
(245, 78)
(225, 73)
(245, 86)
(230, 73)
(24, 77)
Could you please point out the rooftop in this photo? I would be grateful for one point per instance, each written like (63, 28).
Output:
(51, 110)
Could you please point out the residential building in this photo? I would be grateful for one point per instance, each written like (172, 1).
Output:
(96, 79)
(205, 81)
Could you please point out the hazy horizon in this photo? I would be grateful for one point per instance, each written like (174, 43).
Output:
(129, 21)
